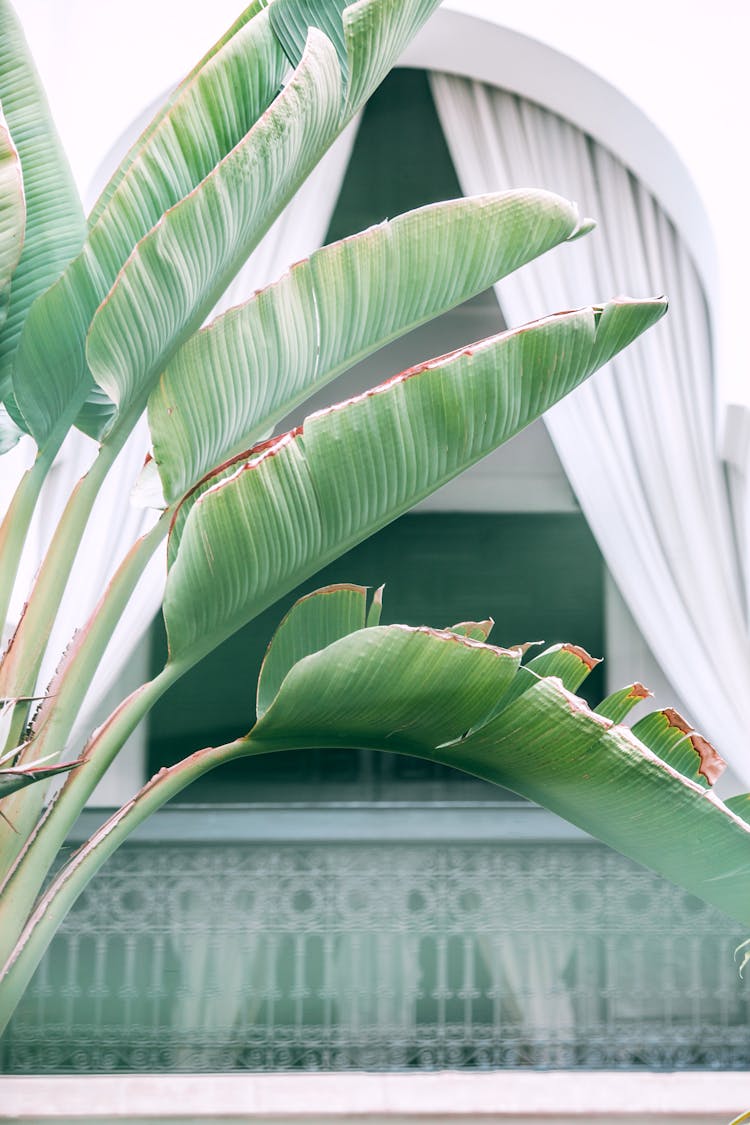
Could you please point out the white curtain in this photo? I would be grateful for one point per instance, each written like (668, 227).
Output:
(637, 441)
(375, 984)
(116, 524)
(528, 974)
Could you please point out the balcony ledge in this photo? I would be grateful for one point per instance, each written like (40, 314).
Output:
(513, 821)
(311, 1099)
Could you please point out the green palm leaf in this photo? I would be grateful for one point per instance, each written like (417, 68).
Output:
(407, 689)
(54, 218)
(241, 375)
(212, 112)
(181, 268)
(312, 623)
(415, 691)
(310, 495)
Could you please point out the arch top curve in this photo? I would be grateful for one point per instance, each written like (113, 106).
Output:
(483, 48)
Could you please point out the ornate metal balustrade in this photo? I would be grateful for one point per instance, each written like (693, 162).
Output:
(380, 938)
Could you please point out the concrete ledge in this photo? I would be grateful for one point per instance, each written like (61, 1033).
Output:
(347, 822)
(394, 1099)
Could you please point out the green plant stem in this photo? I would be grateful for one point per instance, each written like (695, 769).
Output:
(16, 522)
(60, 710)
(20, 666)
(23, 659)
(83, 865)
(26, 877)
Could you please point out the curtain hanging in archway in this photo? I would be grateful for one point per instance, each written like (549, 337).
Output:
(637, 442)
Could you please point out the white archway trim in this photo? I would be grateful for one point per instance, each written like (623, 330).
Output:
(472, 46)
(462, 42)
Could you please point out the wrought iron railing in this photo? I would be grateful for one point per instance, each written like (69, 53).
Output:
(380, 938)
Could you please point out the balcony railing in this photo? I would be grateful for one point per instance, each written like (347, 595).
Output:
(380, 937)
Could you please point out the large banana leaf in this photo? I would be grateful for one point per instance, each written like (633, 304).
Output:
(237, 378)
(181, 268)
(55, 224)
(12, 223)
(617, 707)
(213, 111)
(305, 498)
(426, 695)
(158, 296)
(312, 623)
(376, 32)
(417, 691)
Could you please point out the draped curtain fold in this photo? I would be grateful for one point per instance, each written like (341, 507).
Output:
(637, 441)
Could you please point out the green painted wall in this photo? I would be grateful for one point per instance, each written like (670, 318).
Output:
(400, 158)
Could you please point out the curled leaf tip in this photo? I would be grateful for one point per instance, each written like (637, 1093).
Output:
(712, 765)
(584, 227)
(675, 719)
(376, 607)
(524, 648)
(576, 650)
